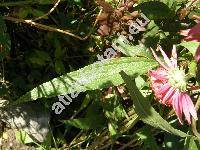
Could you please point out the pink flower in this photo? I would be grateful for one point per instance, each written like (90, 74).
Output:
(193, 34)
(169, 84)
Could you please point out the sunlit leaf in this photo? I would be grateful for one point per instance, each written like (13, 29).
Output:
(96, 76)
(191, 46)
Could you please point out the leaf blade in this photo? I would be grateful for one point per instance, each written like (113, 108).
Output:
(96, 76)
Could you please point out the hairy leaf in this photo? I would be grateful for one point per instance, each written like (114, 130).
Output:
(95, 76)
(132, 50)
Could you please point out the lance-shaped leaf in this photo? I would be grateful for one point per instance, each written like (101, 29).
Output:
(95, 76)
(145, 111)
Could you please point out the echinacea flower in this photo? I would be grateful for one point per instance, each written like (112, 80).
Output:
(169, 85)
(193, 34)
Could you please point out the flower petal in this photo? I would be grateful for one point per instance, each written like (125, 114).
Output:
(197, 54)
(174, 57)
(177, 105)
(185, 108)
(158, 60)
(167, 60)
(168, 96)
(191, 107)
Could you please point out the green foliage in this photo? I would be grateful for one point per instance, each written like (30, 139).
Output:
(5, 43)
(39, 57)
(191, 144)
(191, 46)
(23, 137)
(91, 119)
(114, 112)
(132, 50)
(107, 114)
(156, 10)
(101, 75)
(147, 138)
(91, 122)
(145, 111)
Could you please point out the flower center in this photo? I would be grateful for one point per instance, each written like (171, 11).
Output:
(177, 79)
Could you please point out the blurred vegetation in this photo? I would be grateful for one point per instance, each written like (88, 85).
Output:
(45, 43)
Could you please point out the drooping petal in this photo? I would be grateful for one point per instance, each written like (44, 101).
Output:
(185, 108)
(191, 107)
(177, 105)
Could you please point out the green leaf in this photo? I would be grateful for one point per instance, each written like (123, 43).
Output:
(59, 67)
(195, 11)
(191, 144)
(156, 10)
(114, 112)
(39, 57)
(165, 1)
(44, 55)
(147, 138)
(94, 118)
(23, 137)
(95, 76)
(86, 123)
(132, 50)
(113, 128)
(37, 13)
(191, 46)
(192, 68)
(145, 111)
(113, 108)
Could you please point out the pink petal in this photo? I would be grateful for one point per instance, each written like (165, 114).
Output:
(162, 91)
(157, 76)
(177, 105)
(174, 57)
(191, 106)
(168, 95)
(195, 29)
(185, 32)
(195, 38)
(158, 60)
(167, 60)
(197, 54)
(185, 108)
(192, 34)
